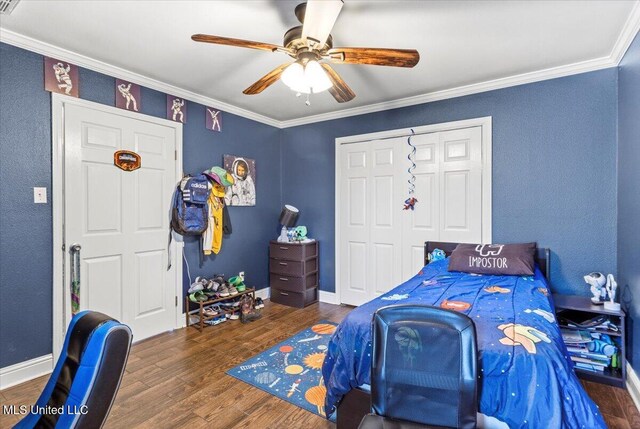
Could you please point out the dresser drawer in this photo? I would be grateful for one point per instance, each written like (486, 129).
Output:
(293, 251)
(293, 268)
(294, 299)
(295, 284)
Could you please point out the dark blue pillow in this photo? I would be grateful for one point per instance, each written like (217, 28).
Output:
(495, 259)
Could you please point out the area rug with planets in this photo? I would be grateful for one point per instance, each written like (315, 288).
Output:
(292, 370)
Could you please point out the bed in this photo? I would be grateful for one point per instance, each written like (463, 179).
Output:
(527, 379)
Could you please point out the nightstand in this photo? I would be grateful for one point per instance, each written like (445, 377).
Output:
(611, 376)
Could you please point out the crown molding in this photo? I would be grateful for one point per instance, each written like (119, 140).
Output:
(43, 48)
(506, 82)
(628, 33)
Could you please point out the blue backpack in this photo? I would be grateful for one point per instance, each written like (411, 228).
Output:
(190, 215)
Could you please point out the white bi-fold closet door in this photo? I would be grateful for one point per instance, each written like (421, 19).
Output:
(380, 244)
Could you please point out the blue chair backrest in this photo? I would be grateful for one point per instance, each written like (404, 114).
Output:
(87, 376)
(424, 367)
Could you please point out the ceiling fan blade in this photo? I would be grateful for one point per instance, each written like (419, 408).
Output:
(206, 38)
(319, 18)
(266, 81)
(340, 90)
(375, 56)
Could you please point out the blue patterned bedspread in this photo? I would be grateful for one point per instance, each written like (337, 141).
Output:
(526, 374)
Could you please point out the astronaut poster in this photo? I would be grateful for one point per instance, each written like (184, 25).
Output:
(60, 77)
(243, 190)
(127, 95)
(176, 109)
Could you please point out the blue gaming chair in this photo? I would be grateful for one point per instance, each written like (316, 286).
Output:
(84, 383)
(424, 369)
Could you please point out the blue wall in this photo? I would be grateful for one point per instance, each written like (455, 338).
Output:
(554, 169)
(629, 192)
(554, 180)
(26, 228)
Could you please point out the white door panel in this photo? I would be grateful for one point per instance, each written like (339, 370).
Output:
(382, 245)
(384, 261)
(121, 218)
(355, 222)
(461, 208)
(105, 275)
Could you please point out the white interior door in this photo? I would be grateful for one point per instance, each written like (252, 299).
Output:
(120, 218)
(381, 245)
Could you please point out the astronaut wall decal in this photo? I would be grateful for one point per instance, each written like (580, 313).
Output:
(214, 119)
(60, 77)
(127, 95)
(176, 109)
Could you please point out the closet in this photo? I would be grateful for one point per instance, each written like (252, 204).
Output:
(380, 245)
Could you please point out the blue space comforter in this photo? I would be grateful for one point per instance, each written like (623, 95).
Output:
(527, 379)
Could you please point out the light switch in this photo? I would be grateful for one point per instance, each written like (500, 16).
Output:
(40, 195)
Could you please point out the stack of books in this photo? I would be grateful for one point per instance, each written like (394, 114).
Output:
(582, 358)
(578, 330)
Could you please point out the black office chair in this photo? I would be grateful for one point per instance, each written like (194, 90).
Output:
(423, 370)
(84, 383)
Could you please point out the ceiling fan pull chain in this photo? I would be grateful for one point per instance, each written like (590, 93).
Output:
(308, 102)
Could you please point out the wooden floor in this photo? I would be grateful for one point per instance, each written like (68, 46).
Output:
(178, 379)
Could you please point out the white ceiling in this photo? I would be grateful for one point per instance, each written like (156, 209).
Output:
(460, 43)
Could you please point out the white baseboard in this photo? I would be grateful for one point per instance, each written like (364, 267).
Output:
(328, 297)
(25, 371)
(264, 293)
(633, 385)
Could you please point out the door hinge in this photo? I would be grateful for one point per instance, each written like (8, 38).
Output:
(175, 155)
(176, 301)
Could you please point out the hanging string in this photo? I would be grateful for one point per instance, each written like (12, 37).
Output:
(410, 202)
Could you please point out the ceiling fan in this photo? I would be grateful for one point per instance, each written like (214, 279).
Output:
(311, 46)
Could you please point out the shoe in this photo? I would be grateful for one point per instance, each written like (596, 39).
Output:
(233, 316)
(232, 290)
(210, 312)
(231, 303)
(237, 282)
(259, 303)
(197, 285)
(223, 290)
(215, 321)
(198, 296)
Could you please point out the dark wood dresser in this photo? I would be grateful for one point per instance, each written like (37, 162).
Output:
(293, 273)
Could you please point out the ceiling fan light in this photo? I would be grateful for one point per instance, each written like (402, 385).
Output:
(294, 77)
(316, 77)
